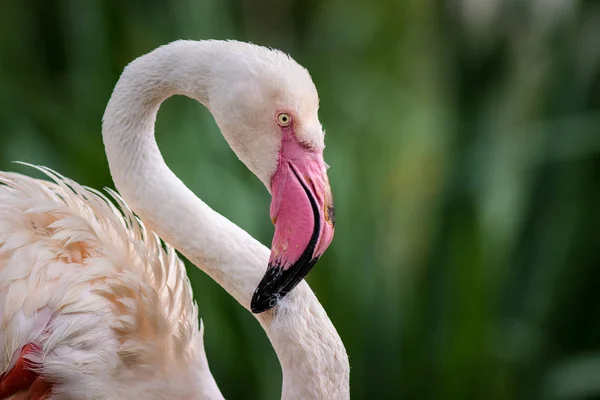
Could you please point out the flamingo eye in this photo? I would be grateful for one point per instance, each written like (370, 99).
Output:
(284, 119)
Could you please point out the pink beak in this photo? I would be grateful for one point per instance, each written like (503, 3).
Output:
(303, 214)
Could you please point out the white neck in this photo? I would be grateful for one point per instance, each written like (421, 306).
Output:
(311, 353)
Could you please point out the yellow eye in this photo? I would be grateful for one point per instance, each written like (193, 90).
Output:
(284, 119)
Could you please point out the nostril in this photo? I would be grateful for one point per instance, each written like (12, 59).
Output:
(330, 215)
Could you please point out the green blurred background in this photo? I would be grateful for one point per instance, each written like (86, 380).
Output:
(464, 140)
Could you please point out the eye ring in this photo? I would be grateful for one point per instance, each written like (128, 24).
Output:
(284, 119)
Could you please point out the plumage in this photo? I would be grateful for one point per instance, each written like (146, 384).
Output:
(94, 305)
(74, 265)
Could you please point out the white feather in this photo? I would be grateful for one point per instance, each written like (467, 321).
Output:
(97, 291)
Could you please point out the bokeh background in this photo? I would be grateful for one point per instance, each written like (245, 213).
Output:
(464, 140)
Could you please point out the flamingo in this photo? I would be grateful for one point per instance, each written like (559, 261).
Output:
(93, 303)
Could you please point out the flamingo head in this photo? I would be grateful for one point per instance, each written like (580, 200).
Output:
(266, 107)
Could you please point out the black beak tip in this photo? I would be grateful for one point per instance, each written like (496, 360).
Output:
(268, 292)
(277, 283)
(262, 302)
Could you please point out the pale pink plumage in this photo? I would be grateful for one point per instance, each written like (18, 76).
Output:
(93, 288)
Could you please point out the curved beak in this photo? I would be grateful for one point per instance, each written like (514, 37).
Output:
(303, 214)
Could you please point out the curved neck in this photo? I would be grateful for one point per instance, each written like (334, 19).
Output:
(311, 353)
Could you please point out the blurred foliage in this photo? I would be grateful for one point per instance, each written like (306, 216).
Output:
(464, 139)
